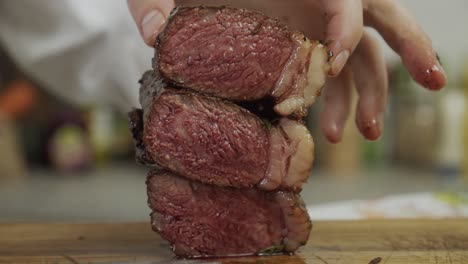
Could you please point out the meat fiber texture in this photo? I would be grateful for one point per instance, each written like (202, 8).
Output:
(241, 55)
(214, 141)
(218, 122)
(203, 220)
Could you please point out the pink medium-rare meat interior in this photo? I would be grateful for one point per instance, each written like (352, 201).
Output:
(220, 123)
(241, 55)
(213, 141)
(233, 53)
(202, 220)
(206, 139)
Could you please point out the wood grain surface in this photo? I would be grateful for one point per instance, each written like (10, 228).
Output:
(347, 242)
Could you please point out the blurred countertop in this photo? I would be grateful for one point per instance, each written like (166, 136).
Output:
(118, 193)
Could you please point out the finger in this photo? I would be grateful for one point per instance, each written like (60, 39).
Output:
(370, 77)
(344, 30)
(337, 100)
(149, 16)
(401, 31)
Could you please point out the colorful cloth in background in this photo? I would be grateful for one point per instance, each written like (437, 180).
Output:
(417, 205)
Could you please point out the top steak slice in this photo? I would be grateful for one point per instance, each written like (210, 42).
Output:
(241, 55)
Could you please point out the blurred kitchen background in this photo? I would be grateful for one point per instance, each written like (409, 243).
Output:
(62, 161)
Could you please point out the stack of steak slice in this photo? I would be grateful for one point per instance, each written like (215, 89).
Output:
(227, 177)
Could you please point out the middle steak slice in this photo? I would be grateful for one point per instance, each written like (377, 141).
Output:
(217, 142)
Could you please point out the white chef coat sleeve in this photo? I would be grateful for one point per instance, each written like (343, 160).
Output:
(85, 51)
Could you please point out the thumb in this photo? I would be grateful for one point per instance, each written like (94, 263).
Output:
(344, 29)
(149, 16)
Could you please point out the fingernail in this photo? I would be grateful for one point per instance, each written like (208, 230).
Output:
(339, 62)
(438, 67)
(372, 129)
(151, 24)
(435, 77)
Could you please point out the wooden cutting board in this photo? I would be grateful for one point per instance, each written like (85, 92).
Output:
(348, 242)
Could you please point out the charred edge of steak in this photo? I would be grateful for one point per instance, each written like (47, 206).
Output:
(136, 128)
(262, 108)
(151, 85)
(160, 37)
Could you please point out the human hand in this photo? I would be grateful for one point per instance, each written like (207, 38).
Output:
(357, 57)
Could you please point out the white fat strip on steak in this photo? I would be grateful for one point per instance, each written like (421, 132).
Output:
(302, 78)
(291, 156)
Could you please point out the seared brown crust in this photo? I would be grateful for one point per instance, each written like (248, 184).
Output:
(135, 118)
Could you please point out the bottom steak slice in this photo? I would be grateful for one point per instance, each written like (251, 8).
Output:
(202, 220)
